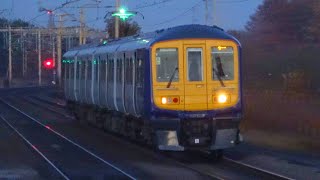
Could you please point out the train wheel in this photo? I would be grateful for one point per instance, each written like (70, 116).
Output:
(91, 116)
(76, 113)
(216, 155)
(100, 118)
(107, 123)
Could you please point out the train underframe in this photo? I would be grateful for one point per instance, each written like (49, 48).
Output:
(165, 134)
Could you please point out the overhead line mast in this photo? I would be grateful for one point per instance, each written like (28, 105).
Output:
(116, 25)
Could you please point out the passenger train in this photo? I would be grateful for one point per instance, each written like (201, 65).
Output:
(177, 88)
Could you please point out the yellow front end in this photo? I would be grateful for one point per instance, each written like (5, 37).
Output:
(195, 74)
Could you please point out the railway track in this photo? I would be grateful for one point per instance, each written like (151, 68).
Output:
(65, 156)
(266, 174)
(227, 162)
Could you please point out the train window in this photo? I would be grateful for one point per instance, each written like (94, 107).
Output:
(78, 63)
(89, 69)
(119, 74)
(195, 64)
(63, 71)
(130, 71)
(167, 64)
(67, 70)
(102, 72)
(83, 70)
(111, 70)
(222, 63)
(140, 69)
(96, 63)
(71, 69)
(127, 69)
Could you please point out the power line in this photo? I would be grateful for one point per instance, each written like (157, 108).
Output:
(151, 5)
(55, 9)
(232, 1)
(179, 15)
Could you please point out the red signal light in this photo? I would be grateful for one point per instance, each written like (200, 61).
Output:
(48, 63)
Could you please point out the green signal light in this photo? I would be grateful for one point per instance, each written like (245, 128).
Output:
(123, 14)
(122, 11)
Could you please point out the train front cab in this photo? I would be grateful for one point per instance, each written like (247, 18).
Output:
(196, 94)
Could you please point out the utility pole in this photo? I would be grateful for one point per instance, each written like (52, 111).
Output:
(59, 47)
(26, 62)
(54, 59)
(214, 12)
(53, 50)
(206, 12)
(23, 52)
(10, 58)
(82, 33)
(39, 57)
(116, 24)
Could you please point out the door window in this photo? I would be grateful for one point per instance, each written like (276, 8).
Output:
(195, 64)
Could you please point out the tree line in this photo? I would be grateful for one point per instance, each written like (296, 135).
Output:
(281, 45)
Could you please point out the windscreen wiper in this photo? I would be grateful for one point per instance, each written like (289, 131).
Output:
(172, 76)
(219, 78)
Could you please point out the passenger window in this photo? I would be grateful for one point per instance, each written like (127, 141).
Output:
(67, 70)
(102, 72)
(127, 70)
(78, 63)
(89, 69)
(96, 63)
(119, 72)
(83, 70)
(167, 64)
(195, 65)
(71, 69)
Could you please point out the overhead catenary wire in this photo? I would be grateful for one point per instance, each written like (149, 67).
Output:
(231, 1)
(142, 6)
(177, 16)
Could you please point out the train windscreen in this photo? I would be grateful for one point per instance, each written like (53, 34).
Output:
(167, 63)
(222, 63)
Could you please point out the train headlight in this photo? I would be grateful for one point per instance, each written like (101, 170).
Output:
(164, 100)
(222, 98)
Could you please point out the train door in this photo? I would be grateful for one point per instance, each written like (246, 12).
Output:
(102, 80)
(77, 79)
(88, 79)
(96, 80)
(71, 79)
(195, 79)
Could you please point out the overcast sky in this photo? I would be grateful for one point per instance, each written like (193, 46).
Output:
(158, 14)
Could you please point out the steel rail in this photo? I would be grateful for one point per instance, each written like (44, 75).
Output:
(34, 148)
(210, 174)
(256, 169)
(69, 140)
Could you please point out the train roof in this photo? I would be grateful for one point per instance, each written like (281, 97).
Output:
(146, 40)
